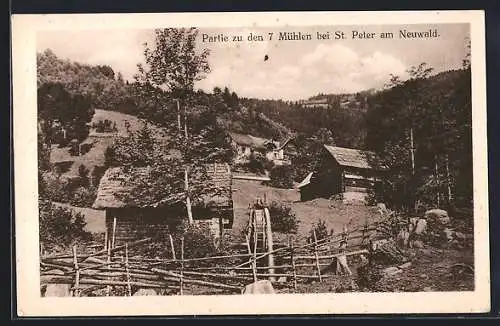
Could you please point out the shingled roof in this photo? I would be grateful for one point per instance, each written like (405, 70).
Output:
(355, 158)
(115, 184)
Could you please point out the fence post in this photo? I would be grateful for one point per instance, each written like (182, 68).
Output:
(129, 288)
(106, 238)
(292, 258)
(364, 232)
(172, 246)
(316, 255)
(108, 288)
(181, 281)
(268, 241)
(341, 266)
(114, 233)
(76, 291)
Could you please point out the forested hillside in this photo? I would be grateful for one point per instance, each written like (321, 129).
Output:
(429, 113)
(106, 90)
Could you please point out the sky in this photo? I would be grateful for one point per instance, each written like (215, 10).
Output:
(294, 69)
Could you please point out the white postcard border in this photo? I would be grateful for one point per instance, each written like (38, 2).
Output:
(29, 302)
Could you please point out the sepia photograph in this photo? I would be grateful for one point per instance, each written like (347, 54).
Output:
(201, 160)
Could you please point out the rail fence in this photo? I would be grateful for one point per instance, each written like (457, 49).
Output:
(116, 268)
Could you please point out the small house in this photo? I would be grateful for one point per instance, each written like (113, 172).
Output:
(246, 145)
(133, 221)
(350, 172)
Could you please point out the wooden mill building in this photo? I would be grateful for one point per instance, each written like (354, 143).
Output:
(133, 222)
(346, 171)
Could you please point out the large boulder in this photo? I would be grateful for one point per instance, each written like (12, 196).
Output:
(420, 227)
(439, 216)
(145, 292)
(56, 290)
(259, 287)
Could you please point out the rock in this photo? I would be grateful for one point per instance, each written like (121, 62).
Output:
(364, 260)
(437, 215)
(390, 271)
(259, 287)
(403, 237)
(413, 222)
(423, 276)
(428, 289)
(282, 279)
(460, 236)
(56, 290)
(376, 244)
(448, 234)
(418, 244)
(382, 209)
(420, 227)
(145, 292)
(405, 265)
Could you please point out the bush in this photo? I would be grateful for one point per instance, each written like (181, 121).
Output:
(281, 177)
(83, 173)
(85, 148)
(104, 126)
(283, 219)
(54, 188)
(320, 229)
(97, 174)
(198, 240)
(60, 227)
(84, 196)
(256, 163)
(392, 224)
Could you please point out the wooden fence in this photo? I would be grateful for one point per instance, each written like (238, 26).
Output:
(116, 268)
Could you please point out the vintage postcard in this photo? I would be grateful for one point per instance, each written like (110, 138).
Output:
(250, 163)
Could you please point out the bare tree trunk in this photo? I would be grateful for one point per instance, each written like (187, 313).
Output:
(178, 116)
(188, 199)
(186, 179)
(438, 184)
(413, 204)
(412, 150)
(185, 123)
(448, 179)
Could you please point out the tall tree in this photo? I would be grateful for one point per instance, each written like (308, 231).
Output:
(57, 106)
(174, 63)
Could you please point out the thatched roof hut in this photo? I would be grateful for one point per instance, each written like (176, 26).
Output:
(117, 183)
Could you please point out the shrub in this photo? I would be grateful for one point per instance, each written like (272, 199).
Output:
(84, 196)
(85, 148)
(83, 173)
(281, 177)
(60, 227)
(198, 240)
(256, 163)
(104, 125)
(97, 174)
(392, 224)
(283, 219)
(55, 189)
(320, 229)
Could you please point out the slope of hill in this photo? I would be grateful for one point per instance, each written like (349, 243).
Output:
(100, 141)
(335, 213)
